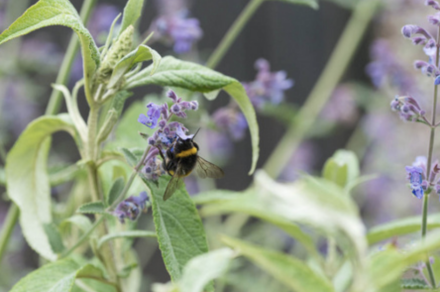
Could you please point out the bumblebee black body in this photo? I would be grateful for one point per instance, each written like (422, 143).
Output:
(184, 154)
(181, 159)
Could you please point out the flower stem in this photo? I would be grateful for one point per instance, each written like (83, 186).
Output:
(232, 33)
(63, 75)
(339, 60)
(8, 227)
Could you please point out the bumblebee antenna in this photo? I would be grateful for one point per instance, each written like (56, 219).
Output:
(195, 134)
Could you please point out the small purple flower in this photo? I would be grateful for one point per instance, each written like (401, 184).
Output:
(408, 108)
(267, 86)
(179, 29)
(152, 117)
(415, 177)
(132, 207)
(232, 121)
(433, 4)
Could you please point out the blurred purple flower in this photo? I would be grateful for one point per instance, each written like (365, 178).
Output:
(220, 146)
(303, 160)
(378, 126)
(101, 20)
(415, 177)
(342, 107)
(37, 52)
(386, 67)
(178, 29)
(267, 86)
(408, 108)
(231, 121)
(132, 207)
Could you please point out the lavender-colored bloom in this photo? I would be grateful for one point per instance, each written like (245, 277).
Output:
(434, 4)
(232, 121)
(434, 19)
(101, 21)
(267, 86)
(132, 207)
(408, 108)
(153, 115)
(179, 29)
(415, 177)
(386, 67)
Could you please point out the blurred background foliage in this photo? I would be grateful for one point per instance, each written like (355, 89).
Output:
(293, 38)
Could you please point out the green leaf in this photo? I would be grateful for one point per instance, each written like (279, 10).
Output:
(400, 227)
(57, 277)
(292, 272)
(223, 201)
(178, 226)
(115, 191)
(55, 240)
(28, 182)
(129, 157)
(342, 168)
(57, 12)
(414, 284)
(126, 234)
(194, 77)
(204, 268)
(140, 54)
(2, 176)
(92, 208)
(311, 3)
(80, 221)
(132, 11)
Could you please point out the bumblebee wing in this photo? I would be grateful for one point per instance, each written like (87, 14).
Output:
(173, 184)
(207, 169)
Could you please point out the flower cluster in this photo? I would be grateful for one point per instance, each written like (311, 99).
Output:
(408, 108)
(268, 86)
(231, 121)
(416, 174)
(159, 116)
(132, 207)
(179, 30)
(385, 67)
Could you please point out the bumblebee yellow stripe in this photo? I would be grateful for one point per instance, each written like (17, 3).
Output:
(187, 153)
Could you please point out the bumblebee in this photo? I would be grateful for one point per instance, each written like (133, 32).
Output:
(181, 159)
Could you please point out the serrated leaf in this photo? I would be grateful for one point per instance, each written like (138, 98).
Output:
(194, 77)
(400, 227)
(92, 208)
(179, 229)
(129, 157)
(58, 276)
(126, 234)
(57, 12)
(140, 54)
(414, 284)
(221, 201)
(290, 271)
(28, 181)
(55, 240)
(115, 190)
(311, 3)
(204, 268)
(132, 12)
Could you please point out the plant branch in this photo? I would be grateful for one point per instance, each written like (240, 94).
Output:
(8, 227)
(336, 66)
(232, 33)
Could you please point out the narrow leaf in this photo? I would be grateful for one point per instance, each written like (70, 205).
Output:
(292, 272)
(129, 157)
(204, 268)
(400, 227)
(126, 234)
(28, 182)
(92, 208)
(56, 12)
(115, 190)
(178, 226)
(55, 240)
(194, 77)
(311, 3)
(58, 276)
(140, 54)
(132, 12)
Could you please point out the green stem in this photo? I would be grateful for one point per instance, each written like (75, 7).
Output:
(8, 227)
(232, 33)
(323, 89)
(63, 75)
(82, 238)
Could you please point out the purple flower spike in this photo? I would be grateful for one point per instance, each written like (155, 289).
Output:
(408, 108)
(132, 207)
(411, 29)
(415, 177)
(433, 4)
(434, 19)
